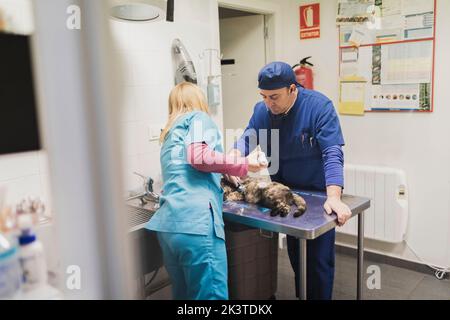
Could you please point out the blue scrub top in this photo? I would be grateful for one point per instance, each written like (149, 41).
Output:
(305, 131)
(189, 195)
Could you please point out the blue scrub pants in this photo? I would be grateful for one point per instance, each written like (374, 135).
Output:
(196, 264)
(320, 255)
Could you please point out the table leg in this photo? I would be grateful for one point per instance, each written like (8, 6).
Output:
(360, 255)
(302, 269)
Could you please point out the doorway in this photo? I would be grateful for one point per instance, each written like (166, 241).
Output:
(243, 44)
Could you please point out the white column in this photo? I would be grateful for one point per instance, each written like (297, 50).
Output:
(79, 123)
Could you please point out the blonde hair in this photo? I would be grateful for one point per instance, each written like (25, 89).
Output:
(184, 97)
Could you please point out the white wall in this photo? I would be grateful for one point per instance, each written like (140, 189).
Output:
(416, 143)
(144, 52)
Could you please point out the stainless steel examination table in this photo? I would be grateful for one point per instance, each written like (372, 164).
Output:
(313, 223)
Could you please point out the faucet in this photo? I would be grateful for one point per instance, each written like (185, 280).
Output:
(148, 194)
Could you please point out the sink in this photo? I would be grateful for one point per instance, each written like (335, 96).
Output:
(139, 213)
(146, 247)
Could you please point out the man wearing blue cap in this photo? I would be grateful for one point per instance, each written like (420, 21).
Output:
(310, 157)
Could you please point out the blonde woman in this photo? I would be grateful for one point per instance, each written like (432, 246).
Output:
(189, 223)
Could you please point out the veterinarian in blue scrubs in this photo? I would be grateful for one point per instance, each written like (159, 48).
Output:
(310, 157)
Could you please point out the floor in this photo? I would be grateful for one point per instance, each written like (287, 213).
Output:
(396, 283)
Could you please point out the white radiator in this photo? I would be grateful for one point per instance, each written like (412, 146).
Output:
(386, 219)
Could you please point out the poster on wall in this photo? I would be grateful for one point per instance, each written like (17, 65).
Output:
(310, 21)
(392, 21)
(394, 56)
(355, 11)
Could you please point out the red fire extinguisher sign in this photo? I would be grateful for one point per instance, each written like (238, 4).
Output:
(310, 21)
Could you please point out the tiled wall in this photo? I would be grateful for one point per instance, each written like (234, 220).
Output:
(144, 84)
(143, 55)
(25, 174)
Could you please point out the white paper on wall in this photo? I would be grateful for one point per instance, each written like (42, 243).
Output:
(391, 8)
(407, 63)
(416, 6)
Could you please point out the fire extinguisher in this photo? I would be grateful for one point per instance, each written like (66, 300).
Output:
(304, 73)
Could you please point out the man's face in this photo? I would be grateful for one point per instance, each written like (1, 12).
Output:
(279, 100)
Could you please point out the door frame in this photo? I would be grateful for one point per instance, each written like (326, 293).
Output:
(272, 22)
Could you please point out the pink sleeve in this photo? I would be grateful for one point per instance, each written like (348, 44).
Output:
(202, 158)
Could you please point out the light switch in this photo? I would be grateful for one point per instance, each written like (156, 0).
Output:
(154, 132)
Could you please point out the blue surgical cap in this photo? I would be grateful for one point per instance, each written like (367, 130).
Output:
(276, 75)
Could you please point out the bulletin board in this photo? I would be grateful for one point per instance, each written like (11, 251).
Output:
(386, 62)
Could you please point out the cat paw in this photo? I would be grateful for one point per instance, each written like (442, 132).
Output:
(284, 210)
(273, 213)
(299, 212)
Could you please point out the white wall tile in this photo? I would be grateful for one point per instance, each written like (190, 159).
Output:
(19, 188)
(148, 36)
(146, 68)
(142, 137)
(130, 180)
(18, 165)
(120, 33)
(124, 67)
(164, 66)
(148, 103)
(44, 166)
(26, 174)
(192, 11)
(129, 139)
(128, 105)
(46, 193)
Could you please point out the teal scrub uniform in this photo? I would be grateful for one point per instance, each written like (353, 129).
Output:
(189, 223)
